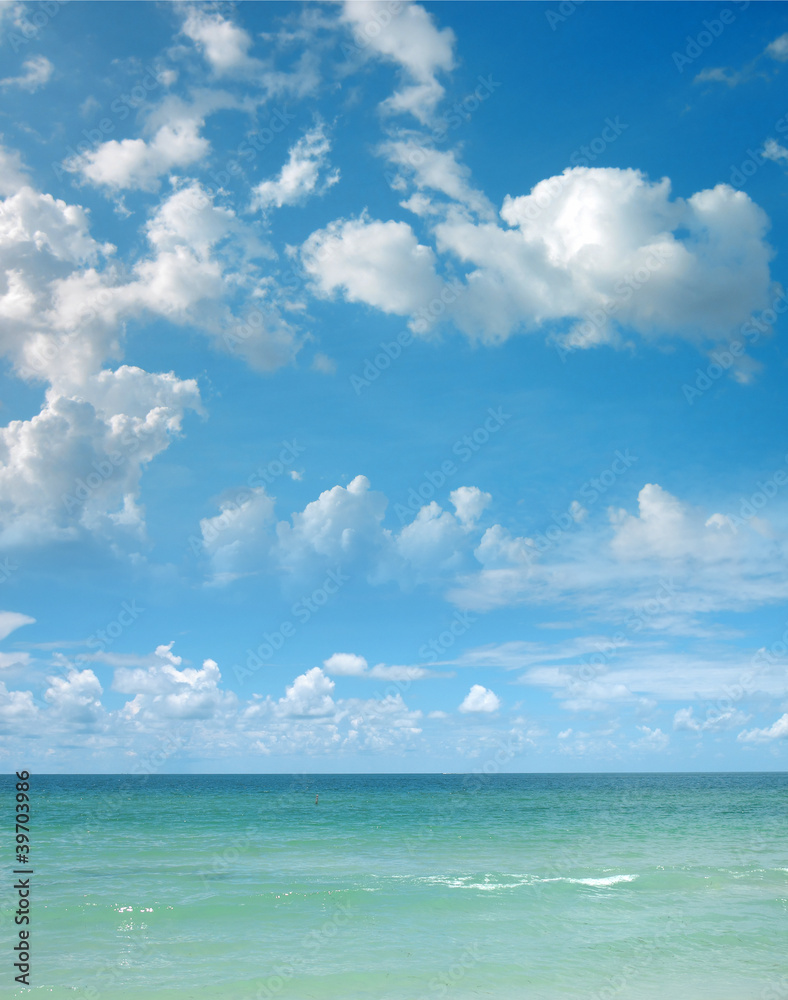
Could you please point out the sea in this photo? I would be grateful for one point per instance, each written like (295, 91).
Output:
(403, 887)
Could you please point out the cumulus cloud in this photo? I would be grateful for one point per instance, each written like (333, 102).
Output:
(202, 257)
(138, 164)
(76, 698)
(379, 263)
(652, 739)
(164, 691)
(342, 525)
(600, 248)
(238, 538)
(308, 695)
(407, 37)
(63, 303)
(44, 245)
(37, 72)
(715, 560)
(76, 466)
(669, 528)
(589, 257)
(190, 704)
(299, 177)
(224, 44)
(470, 503)
(17, 710)
(311, 718)
(345, 665)
(61, 315)
(618, 566)
(480, 699)
(343, 528)
(777, 731)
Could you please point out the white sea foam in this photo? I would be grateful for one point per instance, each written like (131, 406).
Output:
(464, 881)
(610, 880)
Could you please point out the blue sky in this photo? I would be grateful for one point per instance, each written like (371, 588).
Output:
(393, 387)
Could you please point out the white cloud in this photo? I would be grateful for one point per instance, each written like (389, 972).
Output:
(640, 561)
(480, 699)
(299, 177)
(239, 537)
(777, 731)
(324, 364)
(164, 692)
(12, 620)
(778, 49)
(225, 45)
(379, 263)
(409, 38)
(76, 466)
(517, 654)
(652, 739)
(603, 251)
(601, 246)
(11, 12)
(190, 218)
(13, 173)
(309, 695)
(396, 672)
(60, 317)
(342, 528)
(203, 256)
(470, 503)
(684, 720)
(75, 698)
(721, 74)
(345, 665)
(343, 524)
(47, 256)
(667, 528)
(772, 150)
(37, 72)
(433, 544)
(137, 164)
(642, 676)
(663, 569)
(436, 170)
(59, 320)
(17, 709)
(351, 665)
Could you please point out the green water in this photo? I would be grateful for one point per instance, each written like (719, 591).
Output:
(416, 886)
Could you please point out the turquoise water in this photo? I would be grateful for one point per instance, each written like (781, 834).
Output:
(407, 886)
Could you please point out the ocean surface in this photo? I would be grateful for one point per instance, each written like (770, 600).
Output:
(405, 887)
